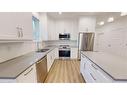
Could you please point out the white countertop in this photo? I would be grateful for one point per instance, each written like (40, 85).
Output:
(115, 66)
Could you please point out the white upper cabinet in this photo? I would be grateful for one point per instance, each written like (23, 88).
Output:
(67, 26)
(87, 24)
(8, 28)
(51, 27)
(15, 26)
(25, 21)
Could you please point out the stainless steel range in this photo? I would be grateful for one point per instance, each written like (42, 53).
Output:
(64, 51)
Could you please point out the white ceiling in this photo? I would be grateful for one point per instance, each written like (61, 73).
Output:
(100, 16)
(77, 14)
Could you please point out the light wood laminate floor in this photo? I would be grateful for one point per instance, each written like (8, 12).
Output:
(65, 71)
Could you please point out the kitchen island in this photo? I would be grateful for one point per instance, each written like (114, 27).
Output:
(112, 67)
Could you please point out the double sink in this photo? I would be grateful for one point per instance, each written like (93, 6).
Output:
(42, 50)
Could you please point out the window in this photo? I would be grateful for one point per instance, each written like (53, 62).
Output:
(36, 29)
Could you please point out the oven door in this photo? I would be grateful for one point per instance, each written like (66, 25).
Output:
(64, 53)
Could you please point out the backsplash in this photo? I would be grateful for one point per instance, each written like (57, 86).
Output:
(61, 42)
(12, 50)
(112, 37)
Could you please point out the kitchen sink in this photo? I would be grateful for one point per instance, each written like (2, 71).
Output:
(42, 50)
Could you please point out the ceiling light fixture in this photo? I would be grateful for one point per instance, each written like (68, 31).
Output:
(102, 23)
(60, 13)
(110, 19)
(123, 14)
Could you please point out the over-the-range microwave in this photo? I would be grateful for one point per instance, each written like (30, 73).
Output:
(64, 36)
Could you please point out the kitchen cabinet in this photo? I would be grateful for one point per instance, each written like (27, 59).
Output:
(74, 52)
(56, 53)
(49, 60)
(25, 21)
(15, 26)
(51, 56)
(87, 24)
(92, 73)
(82, 64)
(51, 28)
(28, 76)
(84, 69)
(41, 69)
(67, 26)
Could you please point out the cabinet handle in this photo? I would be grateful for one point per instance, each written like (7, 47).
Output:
(21, 30)
(28, 72)
(94, 66)
(22, 33)
(18, 32)
(92, 76)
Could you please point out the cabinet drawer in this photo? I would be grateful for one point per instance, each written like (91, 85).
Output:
(28, 76)
(100, 76)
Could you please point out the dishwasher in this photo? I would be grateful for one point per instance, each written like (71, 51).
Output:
(41, 69)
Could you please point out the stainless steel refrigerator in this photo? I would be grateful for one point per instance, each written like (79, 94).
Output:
(85, 42)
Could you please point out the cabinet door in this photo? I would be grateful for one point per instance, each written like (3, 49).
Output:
(24, 21)
(51, 56)
(49, 60)
(8, 26)
(28, 76)
(56, 53)
(74, 52)
(86, 72)
(95, 74)
(100, 76)
(82, 64)
(16, 26)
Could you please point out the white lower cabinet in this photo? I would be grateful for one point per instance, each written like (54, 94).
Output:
(92, 73)
(28, 76)
(49, 60)
(56, 53)
(51, 56)
(74, 52)
(82, 64)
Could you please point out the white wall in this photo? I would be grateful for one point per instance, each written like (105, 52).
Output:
(11, 50)
(112, 37)
(87, 24)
